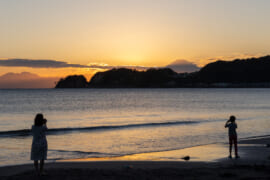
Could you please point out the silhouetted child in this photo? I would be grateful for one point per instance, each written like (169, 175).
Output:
(231, 125)
(39, 144)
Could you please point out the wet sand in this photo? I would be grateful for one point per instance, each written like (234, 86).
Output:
(206, 162)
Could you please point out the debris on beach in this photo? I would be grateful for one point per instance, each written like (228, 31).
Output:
(186, 158)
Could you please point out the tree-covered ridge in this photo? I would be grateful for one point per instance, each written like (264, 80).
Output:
(76, 81)
(253, 72)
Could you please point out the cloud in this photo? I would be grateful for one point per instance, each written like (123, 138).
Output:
(106, 66)
(178, 66)
(182, 66)
(38, 63)
(204, 61)
(60, 64)
(26, 80)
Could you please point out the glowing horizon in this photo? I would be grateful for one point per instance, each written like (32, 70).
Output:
(135, 33)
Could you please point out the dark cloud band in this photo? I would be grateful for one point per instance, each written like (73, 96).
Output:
(178, 66)
(57, 64)
(38, 63)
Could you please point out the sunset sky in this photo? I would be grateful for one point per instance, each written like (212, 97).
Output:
(151, 33)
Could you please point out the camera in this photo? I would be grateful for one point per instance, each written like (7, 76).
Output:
(44, 121)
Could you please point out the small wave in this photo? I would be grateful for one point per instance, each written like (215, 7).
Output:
(55, 131)
(58, 154)
(98, 154)
(22, 132)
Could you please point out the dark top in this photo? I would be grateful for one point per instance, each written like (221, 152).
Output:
(232, 129)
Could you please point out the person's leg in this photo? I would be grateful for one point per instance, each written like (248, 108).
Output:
(41, 165)
(230, 148)
(235, 147)
(36, 165)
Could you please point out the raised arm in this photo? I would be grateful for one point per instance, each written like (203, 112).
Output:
(45, 124)
(227, 123)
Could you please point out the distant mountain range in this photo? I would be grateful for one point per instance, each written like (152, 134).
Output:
(26, 80)
(252, 72)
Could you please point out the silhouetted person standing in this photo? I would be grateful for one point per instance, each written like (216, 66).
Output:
(39, 144)
(231, 125)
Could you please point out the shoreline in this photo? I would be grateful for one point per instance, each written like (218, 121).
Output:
(254, 153)
(218, 152)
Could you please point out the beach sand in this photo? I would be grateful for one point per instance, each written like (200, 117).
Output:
(206, 162)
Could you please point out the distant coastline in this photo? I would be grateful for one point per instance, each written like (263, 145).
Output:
(245, 73)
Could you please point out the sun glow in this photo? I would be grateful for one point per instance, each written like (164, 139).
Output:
(135, 33)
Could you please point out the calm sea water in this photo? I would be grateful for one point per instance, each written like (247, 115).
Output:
(114, 122)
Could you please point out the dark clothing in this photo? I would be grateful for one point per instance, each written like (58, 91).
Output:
(232, 129)
(232, 136)
(39, 144)
(233, 140)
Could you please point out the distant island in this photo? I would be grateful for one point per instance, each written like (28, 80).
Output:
(252, 72)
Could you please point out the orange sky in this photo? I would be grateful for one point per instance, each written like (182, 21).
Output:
(126, 32)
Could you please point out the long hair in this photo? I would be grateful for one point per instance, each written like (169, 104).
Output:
(39, 119)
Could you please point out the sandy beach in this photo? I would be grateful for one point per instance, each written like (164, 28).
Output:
(206, 162)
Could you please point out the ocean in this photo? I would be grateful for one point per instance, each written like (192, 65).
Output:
(85, 123)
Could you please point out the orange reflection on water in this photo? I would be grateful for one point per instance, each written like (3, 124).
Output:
(206, 153)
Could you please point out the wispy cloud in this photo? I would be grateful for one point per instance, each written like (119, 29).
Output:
(204, 61)
(41, 63)
(38, 63)
(106, 66)
(178, 65)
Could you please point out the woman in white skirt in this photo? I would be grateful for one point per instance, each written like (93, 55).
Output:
(39, 144)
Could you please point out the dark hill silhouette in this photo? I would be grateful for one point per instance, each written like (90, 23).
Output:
(128, 78)
(75, 81)
(253, 72)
